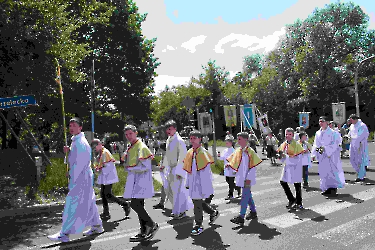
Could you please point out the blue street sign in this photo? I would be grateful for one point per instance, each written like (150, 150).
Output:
(17, 101)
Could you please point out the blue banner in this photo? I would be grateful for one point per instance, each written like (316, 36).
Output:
(249, 115)
(17, 101)
(304, 119)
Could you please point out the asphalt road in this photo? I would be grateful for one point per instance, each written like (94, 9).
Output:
(344, 222)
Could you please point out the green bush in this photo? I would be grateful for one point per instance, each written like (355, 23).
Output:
(218, 167)
(219, 143)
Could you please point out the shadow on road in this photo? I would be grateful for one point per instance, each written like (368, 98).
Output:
(210, 239)
(146, 245)
(308, 214)
(312, 189)
(183, 227)
(345, 197)
(264, 232)
(81, 244)
(20, 229)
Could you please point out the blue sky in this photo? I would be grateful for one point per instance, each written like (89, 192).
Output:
(190, 33)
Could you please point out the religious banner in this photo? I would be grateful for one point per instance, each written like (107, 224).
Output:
(205, 123)
(230, 115)
(304, 119)
(250, 120)
(263, 124)
(339, 112)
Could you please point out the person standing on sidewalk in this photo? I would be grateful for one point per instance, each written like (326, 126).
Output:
(197, 164)
(327, 151)
(80, 208)
(176, 176)
(290, 151)
(107, 176)
(359, 156)
(244, 160)
(229, 173)
(139, 184)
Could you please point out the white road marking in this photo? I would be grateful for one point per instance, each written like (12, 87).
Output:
(350, 232)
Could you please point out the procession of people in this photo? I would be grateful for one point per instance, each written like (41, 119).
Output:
(187, 177)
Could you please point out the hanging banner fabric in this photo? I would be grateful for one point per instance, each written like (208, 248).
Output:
(205, 123)
(249, 111)
(339, 112)
(230, 115)
(263, 124)
(304, 119)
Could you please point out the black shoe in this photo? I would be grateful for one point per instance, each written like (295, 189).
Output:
(239, 194)
(229, 198)
(251, 216)
(197, 230)
(137, 238)
(213, 217)
(180, 216)
(105, 216)
(126, 208)
(359, 180)
(151, 231)
(238, 220)
(305, 185)
(158, 206)
(290, 204)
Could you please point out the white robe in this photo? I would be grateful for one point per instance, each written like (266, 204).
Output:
(139, 183)
(173, 162)
(244, 173)
(359, 155)
(200, 182)
(228, 171)
(330, 169)
(292, 170)
(80, 208)
(108, 174)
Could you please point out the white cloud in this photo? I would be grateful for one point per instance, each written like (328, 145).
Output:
(169, 47)
(266, 43)
(162, 80)
(193, 42)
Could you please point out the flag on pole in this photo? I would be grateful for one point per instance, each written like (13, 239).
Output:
(339, 112)
(249, 111)
(263, 124)
(304, 119)
(230, 115)
(205, 123)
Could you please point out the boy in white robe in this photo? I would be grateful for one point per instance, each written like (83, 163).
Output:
(243, 161)
(327, 151)
(306, 158)
(107, 176)
(176, 176)
(139, 184)
(290, 154)
(229, 173)
(197, 164)
(80, 208)
(358, 152)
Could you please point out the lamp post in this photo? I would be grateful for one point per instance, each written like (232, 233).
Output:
(356, 84)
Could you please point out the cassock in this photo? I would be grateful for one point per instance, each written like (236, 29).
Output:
(108, 173)
(139, 183)
(197, 164)
(80, 208)
(330, 169)
(173, 163)
(292, 170)
(359, 156)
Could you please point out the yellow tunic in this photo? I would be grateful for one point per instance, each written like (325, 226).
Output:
(105, 157)
(292, 149)
(136, 152)
(202, 158)
(235, 158)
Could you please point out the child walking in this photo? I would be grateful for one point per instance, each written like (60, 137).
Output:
(107, 176)
(306, 158)
(229, 173)
(199, 181)
(244, 160)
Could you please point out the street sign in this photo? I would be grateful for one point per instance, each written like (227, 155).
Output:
(17, 101)
(188, 102)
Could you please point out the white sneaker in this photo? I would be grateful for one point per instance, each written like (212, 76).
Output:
(59, 237)
(94, 230)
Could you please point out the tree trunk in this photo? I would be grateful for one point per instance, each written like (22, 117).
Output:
(4, 131)
(13, 143)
